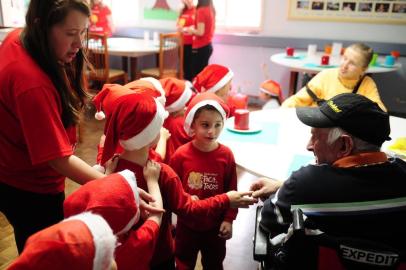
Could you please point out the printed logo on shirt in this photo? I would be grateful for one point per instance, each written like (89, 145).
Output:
(205, 181)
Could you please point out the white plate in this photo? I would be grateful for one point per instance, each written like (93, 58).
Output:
(254, 128)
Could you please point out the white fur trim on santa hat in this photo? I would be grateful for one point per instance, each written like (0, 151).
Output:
(180, 103)
(158, 86)
(103, 239)
(149, 133)
(129, 177)
(267, 92)
(221, 83)
(191, 114)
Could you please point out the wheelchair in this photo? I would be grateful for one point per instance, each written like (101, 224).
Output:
(306, 250)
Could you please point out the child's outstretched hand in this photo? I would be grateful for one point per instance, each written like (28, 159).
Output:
(226, 230)
(241, 199)
(151, 171)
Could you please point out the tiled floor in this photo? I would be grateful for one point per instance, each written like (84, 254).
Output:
(239, 248)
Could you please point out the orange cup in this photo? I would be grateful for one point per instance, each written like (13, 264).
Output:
(327, 49)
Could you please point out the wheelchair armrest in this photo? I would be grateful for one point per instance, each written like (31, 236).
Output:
(260, 240)
(297, 216)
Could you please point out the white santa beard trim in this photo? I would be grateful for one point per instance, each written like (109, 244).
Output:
(189, 117)
(148, 134)
(267, 92)
(222, 82)
(181, 101)
(130, 178)
(158, 86)
(103, 239)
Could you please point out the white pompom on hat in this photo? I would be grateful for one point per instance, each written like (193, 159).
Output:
(84, 241)
(114, 197)
(178, 93)
(201, 100)
(109, 92)
(212, 78)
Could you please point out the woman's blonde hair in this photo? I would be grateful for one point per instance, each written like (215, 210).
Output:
(365, 51)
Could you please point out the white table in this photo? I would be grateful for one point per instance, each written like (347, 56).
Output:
(131, 48)
(280, 147)
(302, 63)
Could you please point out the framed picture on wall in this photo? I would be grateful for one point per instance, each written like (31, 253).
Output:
(365, 11)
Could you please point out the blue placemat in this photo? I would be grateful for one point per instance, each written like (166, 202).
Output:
(299, 161)
(312, 65)
(268, 134)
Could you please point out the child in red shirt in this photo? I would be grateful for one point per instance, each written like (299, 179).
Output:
(116, 199)
(134, 123)
(206, 169)
(177, 93)
(83, 241)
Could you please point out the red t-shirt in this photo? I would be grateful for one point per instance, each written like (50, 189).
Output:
(176, 200)
(186, 19)
(137, 247)
(32, 132)
(206, 174)
(204, 15)
(98, 20)
(178, 135)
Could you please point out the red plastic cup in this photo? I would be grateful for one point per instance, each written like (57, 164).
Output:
(290, 51)
(241, 119)
(395, 54)
(325, 60)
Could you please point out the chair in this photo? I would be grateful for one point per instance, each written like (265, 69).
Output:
(98, 55)
(170, 59)
(305, 250)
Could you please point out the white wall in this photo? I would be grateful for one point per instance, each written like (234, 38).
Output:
(276, 24)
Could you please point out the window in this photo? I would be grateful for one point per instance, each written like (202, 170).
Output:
(238, 15)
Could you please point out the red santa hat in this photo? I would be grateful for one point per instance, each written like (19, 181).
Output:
(105, 96)
(272, 88)
(150, 86)
(212, 78)
(114, 197)
(83, 241)
(199, 101)
(134, 122)
(177, 92)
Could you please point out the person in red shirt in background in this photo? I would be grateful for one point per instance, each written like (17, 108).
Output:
(116, 199)
(187, 19)
(101, 21)
(41, 93)
(134, 122)
(178, 93)
(84, 241)
(202, 31)
(206, 168)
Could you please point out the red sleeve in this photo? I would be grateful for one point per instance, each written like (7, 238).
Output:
(182, 204)
(40, 120)
(137, 249)
(231, 184)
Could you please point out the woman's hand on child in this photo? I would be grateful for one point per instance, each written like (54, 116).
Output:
(151, 171)
(226, 230)
(241, 199)
(111, 165)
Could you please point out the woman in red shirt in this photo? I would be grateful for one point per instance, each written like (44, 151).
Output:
(187, 19)
(100, 20)
(202, 32)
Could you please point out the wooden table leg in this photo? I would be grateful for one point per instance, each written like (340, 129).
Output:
(124, 63)
(293, 82)
(133, 68)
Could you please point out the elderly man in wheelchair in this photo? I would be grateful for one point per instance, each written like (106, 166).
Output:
(348, 210)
